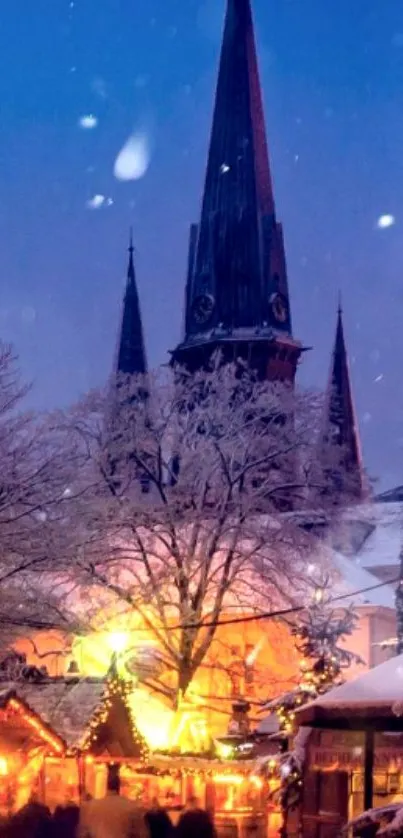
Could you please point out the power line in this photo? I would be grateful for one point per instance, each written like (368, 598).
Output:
(267, 615)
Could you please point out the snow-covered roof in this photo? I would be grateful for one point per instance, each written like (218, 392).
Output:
(382, 546)
(65, 705)
(269, 725)
(380, 687)
(354, 577)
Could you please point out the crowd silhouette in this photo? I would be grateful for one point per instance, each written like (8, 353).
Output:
(113, 816)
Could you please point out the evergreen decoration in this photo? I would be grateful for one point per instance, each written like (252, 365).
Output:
(319, 633)
(117, 690)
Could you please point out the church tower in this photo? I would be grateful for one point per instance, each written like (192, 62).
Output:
(340, 441)
(131, 355)
(237, 299)
(130, 361)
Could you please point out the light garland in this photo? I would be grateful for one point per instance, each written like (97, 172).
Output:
(116, 688)
(32, 721)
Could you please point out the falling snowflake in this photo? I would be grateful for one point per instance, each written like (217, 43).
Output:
(88, 121)
(98, 201)
(385, 221)
(224, 168)
(379, 377)
(133, 159)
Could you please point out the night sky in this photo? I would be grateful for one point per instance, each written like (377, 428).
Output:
(332, 76)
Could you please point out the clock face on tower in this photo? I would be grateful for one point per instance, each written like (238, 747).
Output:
(278, 308)
(202, 309)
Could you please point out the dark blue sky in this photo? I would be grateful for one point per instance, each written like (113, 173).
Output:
(332, 75)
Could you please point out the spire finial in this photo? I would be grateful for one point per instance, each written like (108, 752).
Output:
(339, 303)
(130, 269)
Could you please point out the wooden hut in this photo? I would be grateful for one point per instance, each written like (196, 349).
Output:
(77, 727)
(84, 727)
(354, 753)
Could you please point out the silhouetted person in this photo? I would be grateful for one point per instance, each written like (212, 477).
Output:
(195, 822)
(65, 821)
(32, 821)
(113, 816)
(158, 821)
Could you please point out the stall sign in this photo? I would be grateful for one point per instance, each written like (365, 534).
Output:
(347, 759)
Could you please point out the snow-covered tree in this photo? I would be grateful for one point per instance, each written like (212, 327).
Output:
(33, 473)
(319, 632)
(182, 506)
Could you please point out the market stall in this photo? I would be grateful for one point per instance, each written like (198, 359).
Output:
(354, 755)
(85, 728)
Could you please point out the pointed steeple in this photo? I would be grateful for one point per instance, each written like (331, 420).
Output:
(340, 425)
(131, 356)
(237, 291)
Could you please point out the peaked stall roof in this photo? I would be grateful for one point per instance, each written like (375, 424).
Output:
(65, 705)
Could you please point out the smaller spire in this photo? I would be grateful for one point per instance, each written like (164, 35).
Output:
(131, 356)
(131, 273)
(340, 425)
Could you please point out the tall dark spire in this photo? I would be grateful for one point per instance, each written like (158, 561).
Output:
(131, 356)
(340, 427)
(237, 291)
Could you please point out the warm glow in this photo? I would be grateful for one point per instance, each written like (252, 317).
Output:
(36, 725)
(3, 767)
(229, 779)
(223, 750)
(251, 658)
(153, 719)
(118, 641)
(257, 782)
(189, 732)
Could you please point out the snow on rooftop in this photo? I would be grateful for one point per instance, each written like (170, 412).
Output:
(356, 578)
(382, 547)
(382, 685)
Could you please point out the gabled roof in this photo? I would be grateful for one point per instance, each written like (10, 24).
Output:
(90, 714)
(65, 705)
(381, 688)
(26, 718)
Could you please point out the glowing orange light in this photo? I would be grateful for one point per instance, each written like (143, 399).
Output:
(257, 781)
(230, 779)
